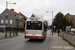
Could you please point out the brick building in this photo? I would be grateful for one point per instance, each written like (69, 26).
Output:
(70, 17)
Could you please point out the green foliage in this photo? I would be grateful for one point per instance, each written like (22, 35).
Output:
(50, 26)
(15, 27)
(61, 22)
(18, 27)
(58, 21)
(7, 27)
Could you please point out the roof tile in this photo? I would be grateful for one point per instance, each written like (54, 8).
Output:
(13, 13)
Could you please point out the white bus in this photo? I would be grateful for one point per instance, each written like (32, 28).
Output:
(35, 28)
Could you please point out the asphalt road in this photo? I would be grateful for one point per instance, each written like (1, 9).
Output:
(20, 43)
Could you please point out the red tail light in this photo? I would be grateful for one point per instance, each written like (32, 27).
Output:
(25, 30)
(42, 31)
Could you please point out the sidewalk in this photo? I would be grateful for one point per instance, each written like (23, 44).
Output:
(2, 35)
(57, 43)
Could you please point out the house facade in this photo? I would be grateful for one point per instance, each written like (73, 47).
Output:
(10, 18)
(23, 19)
(70, 18)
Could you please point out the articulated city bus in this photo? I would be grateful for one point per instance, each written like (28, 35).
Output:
(35, 28)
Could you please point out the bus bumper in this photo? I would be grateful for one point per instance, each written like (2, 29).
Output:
(34, 37)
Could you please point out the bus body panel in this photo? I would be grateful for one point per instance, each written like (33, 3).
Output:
(33, 32)
(34, 37)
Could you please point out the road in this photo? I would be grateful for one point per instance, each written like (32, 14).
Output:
(20, 43)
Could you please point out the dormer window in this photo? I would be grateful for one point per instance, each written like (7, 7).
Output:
(14, 15)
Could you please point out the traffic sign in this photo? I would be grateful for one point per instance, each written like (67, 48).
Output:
(54, 26)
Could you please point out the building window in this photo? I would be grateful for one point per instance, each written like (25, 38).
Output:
(1, 21)
(6, 21)
(10, 21)
(19, 16)
(6, 16)
(14, 15)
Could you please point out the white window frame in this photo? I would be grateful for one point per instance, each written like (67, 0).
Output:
(11, 21)
(1, 21)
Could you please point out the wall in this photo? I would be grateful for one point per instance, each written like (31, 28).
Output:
(69, 37)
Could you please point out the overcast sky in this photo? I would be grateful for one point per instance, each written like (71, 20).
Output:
(39, 7)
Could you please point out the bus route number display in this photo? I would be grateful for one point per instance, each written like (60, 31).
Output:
(35, 22)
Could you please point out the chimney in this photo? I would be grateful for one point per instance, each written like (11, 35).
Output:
(12, 10)
(68, 13)
(19, 12)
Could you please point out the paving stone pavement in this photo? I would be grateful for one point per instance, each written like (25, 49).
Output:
(58, 43)
(2, 35)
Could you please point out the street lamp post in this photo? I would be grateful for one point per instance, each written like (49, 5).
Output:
(6, 22)
(11, 27)
(8, 3)
(7, 15)
(52, 19)
(6, 31)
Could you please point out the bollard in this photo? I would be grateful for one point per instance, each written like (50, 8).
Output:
(10, 31)
(10, 35)
(13, 32)
(16, 33)
(5, 34)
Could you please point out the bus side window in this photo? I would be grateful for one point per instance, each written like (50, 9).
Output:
(45, 28)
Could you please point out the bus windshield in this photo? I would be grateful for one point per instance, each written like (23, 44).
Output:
(34, 25)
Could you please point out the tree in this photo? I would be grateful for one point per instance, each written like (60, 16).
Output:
(58, 20)
(61, 22)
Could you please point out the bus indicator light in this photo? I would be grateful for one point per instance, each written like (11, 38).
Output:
(25, 30)
(42, 31)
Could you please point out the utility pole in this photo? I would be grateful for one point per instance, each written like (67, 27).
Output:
(52, 19)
